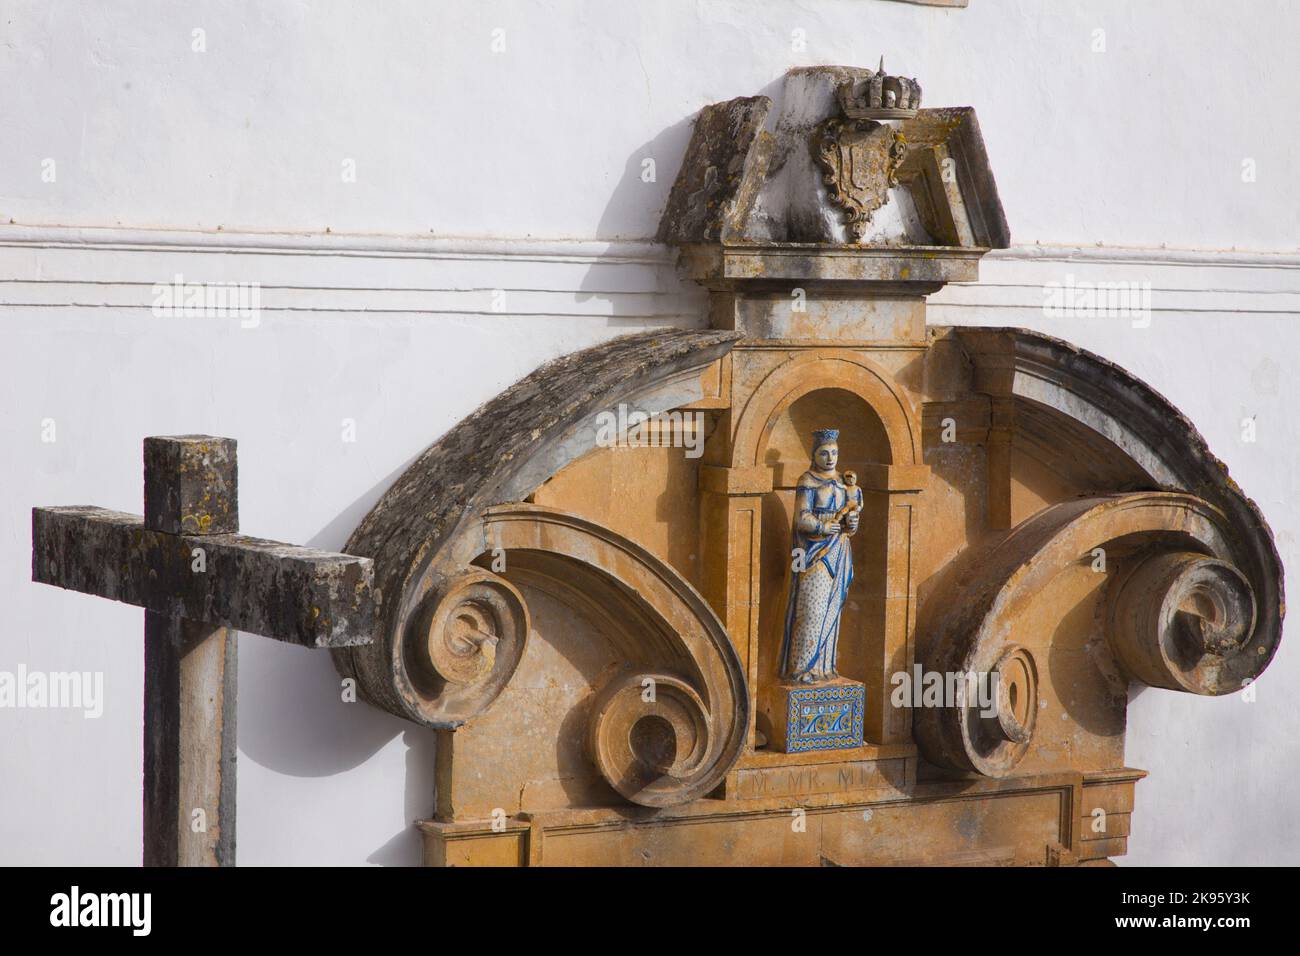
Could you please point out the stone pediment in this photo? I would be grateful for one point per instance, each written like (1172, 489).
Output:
(703, 596)
(759, 173)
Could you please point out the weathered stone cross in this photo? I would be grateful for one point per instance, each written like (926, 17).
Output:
(198, 581)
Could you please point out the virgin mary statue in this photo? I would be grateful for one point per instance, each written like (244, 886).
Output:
(825, 515)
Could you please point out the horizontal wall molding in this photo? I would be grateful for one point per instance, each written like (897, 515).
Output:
(49, 268)
(334, 244)
(1154, 255)
(642, 250)
(1176, 281)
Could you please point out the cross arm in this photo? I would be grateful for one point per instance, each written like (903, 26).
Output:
(290, 593)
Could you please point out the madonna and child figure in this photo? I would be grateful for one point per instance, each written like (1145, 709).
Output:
(826, 515)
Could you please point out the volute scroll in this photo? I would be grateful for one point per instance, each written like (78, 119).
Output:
(649, 737)
(1184, 621)
(670, 722)
(1175, 611)
(463, 645)
(452, 634)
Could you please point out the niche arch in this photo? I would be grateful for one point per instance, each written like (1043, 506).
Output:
(818, 371)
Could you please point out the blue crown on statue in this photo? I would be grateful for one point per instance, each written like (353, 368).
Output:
(824, 436)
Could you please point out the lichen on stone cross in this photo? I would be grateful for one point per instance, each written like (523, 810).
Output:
(198, 580)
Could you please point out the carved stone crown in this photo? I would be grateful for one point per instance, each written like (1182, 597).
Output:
(880, 96)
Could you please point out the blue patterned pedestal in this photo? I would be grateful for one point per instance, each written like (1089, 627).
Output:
(826, 716)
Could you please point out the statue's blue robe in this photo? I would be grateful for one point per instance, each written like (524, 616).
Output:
(812, 620)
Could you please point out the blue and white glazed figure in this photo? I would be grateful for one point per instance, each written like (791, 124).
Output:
(826, 514)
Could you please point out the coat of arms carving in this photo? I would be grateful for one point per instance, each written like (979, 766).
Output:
(860, 152)
(860, 160)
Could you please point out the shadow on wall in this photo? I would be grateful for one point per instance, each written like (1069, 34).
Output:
(637, 294)
(679, 304)
(293, 719)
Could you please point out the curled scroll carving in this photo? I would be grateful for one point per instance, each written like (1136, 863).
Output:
(1182, 620)
(649, 736)
(665, 730)
(425, 532)
(464, 646)
(992, 743)
(1017, 704)
(1179, 614)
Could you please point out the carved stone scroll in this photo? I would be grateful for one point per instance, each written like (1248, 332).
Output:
(464, 645)
(426, 530)
(1181, 619)
(667, 726)
(649, 735)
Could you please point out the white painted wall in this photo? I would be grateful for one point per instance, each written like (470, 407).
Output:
(460, 154)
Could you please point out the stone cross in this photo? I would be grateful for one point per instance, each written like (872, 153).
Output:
(199, 581)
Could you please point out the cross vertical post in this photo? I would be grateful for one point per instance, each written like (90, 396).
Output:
(189, 732)
(190, 484)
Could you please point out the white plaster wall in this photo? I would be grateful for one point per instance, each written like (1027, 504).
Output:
(547, 138)
(1139, 146)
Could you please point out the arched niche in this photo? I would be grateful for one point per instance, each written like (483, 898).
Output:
(832, 373)
(864, 441)
(877, 441)
(864, 446)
